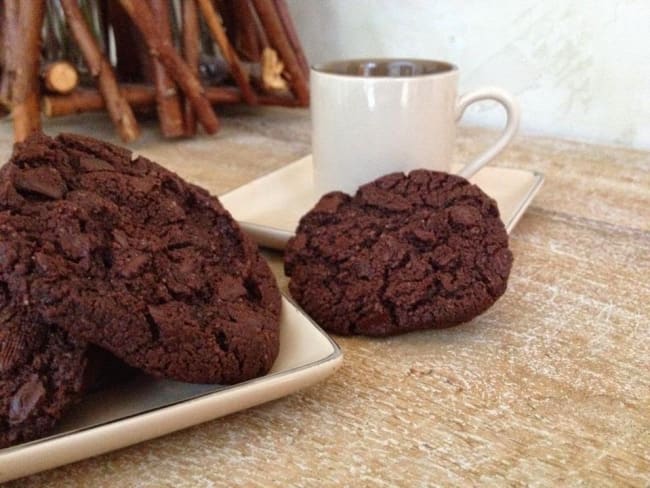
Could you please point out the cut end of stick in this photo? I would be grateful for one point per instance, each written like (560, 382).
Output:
(272, 69)
(60, 77)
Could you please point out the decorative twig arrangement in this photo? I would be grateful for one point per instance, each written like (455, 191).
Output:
(62, 57)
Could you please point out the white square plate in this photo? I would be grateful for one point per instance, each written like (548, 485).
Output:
(144, 408)
(270, 207)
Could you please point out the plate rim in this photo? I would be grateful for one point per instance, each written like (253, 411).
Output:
(277, 238)
(538, 178)
(319, 366)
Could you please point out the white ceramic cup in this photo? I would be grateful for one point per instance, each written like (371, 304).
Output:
(371, 117)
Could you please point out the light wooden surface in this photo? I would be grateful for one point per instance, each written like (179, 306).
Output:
(551, 387)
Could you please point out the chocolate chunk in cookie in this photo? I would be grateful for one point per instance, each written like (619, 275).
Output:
(406, 252)
(132, 258)
(42, 373)
(43, 370)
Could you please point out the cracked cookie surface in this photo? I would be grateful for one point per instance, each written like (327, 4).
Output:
(43, 370)
(130, 257)
(406, 252)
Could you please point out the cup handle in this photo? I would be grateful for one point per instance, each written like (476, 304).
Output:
(512, 124)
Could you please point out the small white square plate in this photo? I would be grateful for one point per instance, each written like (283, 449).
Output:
(144, 408)
(270, 207)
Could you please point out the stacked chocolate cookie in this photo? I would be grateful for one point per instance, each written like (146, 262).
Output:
(406, 252)
(104, 251)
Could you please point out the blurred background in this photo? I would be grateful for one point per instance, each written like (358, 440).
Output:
(580, 68)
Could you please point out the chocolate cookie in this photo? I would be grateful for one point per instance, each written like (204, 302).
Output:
(41, 375)
(427, 250)
(42, 369)
(133, 259)
(44, 372)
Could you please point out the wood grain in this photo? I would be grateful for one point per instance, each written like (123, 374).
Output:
(549, 388)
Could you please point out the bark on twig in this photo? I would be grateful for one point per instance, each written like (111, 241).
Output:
(219, 34)
(170, 112)
(25, 109)
(134, 64)
(3, 108)
(90, 100)
(279, 41)
(9, 33)
(292, 35)
(248, 40)
(117, 107)
(191, 39)
(143, 97)
(180, 72)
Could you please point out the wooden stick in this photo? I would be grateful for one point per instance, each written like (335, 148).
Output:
(25, 90)
(180, 72)
(90, 100)
(142, 97)
(219, 34)
(191, 39)
(285, 17)
(117, 107)
(262, 35)
(3, 108)
(134, 64)
(2, 34)
(278, 100)
(278, 40)
(52, 46)
(272, 69)
(224, 7)
(104, 26)
(10, 41)
(249, 44)
(170, 112)
(59, 77)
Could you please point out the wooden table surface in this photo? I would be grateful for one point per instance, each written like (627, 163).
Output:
(550, 387)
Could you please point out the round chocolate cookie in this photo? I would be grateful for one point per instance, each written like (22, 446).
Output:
(42, 369)
(406, 252)
(42, 375)
(133, 259)
(43, 372)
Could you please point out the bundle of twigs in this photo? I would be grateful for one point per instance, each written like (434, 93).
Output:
(182, 57)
